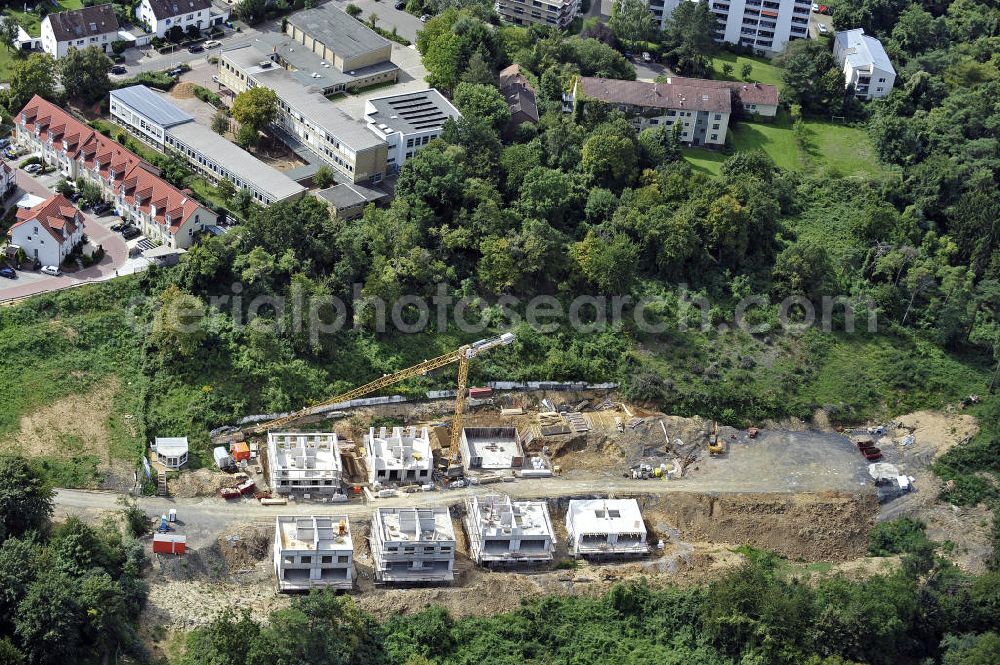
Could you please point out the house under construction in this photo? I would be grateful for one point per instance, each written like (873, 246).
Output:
(491, 449)
(605, 527)
(313, 552)
(413, 545)
(402, 455)
(505, 531)
(306, 463)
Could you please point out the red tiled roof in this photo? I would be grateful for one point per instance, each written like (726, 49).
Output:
(688, 96)
(749, 93)
(54, 214)
(99, 153)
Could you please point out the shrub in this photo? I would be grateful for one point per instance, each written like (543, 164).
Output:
(902, 536)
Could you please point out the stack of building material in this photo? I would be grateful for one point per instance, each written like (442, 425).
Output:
(577, 422)
(552, 423)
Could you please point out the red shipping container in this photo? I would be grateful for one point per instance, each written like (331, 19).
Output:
(480, 393)
(169, 543)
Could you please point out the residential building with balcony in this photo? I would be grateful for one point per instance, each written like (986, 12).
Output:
(505, 531)
(63, 32)
(701, 110)
(165, 214)
(766, 26)
(605, 527)
(865, 63)
(163, 15)
(557, 13)
(400, 455)
(413, 545)
(304, 463)
(313, 552)
(48, 231)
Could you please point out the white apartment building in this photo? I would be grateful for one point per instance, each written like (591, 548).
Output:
(48, 231)
(313, 552)
(505, 531)
(866, 65)
(557, 13)
(413, 545)
(163, 15)
(605, 527)
(78, 29)
(765, 25)
(304, 463)
(702, 110)
(407, 122)
(402, 455)
(155, 120)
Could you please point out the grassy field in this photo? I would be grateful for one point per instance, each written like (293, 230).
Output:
(831, 148)
(763, 71)
(31, 21)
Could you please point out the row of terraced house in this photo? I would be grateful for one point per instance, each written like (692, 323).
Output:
(139, 195)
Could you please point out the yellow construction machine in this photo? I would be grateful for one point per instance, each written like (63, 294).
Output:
(716, 446)
(461, 355)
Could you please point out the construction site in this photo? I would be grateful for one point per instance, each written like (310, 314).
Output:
(477, 497)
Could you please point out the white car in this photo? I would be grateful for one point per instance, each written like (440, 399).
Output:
(815, 7)
(425, 18)
(51, 270)
(822, 28)
(212, 43)
(646, 57)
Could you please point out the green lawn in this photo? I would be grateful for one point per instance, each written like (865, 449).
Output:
(832, 147)
(32, 22)
(763, 71)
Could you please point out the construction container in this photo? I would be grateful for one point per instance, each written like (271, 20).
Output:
(169, 543)
(480, 393)
(240, 451)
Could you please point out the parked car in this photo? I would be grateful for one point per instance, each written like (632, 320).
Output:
(130, 232)
(400, 5)
(101, 208)
(213, 43)
(823, 29)
(175, 72)
(627, 54)
(119, 70)
(117, 227)
(425, 18)
(51, 270)
(4, 143)
(8, 273)
(815, 6)
(195, 48)
(73, 196)
(646, 57)
(32, 168)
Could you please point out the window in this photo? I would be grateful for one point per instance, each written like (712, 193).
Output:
(326, 559)
(305, 559)
(881, 81)
(715, 126)
(715, 137)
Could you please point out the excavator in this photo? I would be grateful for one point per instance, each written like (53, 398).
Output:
(716, 446)
(461, 355)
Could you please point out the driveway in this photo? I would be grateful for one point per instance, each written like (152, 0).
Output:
(31, 283)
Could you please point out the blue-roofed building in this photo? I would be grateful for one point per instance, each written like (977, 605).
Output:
(146, 114)
(865, 63)
(154, 119)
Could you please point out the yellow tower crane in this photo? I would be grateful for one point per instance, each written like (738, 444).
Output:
(461, 355)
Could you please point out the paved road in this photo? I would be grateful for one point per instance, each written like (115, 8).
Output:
(407, 25)
(32, 283)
